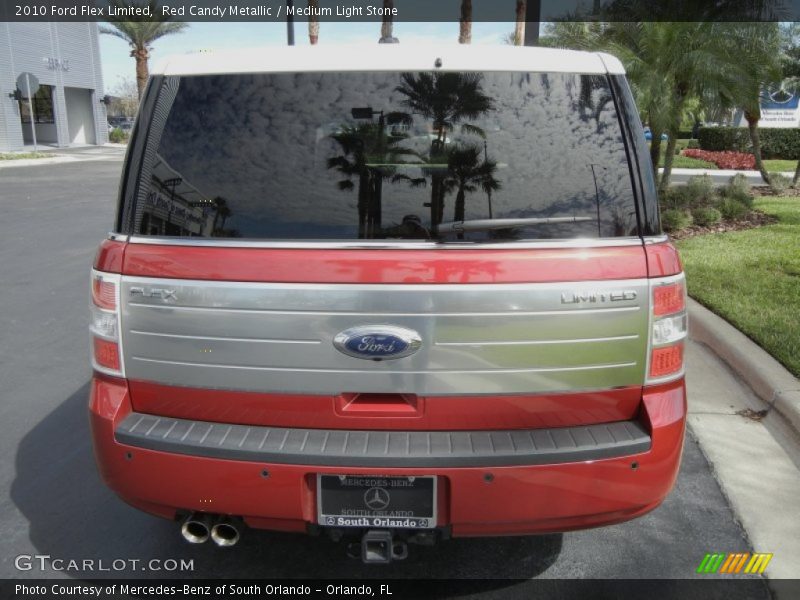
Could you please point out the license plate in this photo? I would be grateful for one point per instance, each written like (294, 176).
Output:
(375, 501)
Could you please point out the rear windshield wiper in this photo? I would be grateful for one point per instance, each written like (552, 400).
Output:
(488, 224)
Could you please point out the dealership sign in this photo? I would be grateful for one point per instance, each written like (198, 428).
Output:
(779, 108)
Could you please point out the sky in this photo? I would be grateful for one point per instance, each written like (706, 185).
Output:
(118, 64)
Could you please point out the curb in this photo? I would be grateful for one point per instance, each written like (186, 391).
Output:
(770, 381)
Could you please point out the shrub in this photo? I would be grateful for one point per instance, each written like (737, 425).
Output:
(675, 197)
(780, 143)
(775, 142)
(117, 136)
(738, 190)
(693, 145)
(706, 215)
(700, 190)
(674, 219)
(724, 160)
(721, 139)
(778, 183)
(731, 210)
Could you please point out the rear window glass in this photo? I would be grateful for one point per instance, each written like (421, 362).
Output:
(441, 156)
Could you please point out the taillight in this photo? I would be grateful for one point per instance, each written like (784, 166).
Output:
(104, 325)
(670, 328)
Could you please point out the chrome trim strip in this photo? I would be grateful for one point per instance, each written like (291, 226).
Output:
(334, 447)
(384, 372)
(384, 245)
(656, 239)
(542, 313)
(118, 237)
(395, 288)
(538, 342)
(223, 338)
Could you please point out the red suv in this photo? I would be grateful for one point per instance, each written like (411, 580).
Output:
(394, 296)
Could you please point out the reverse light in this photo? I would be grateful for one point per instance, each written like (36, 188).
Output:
(669, 329)
(104, 324)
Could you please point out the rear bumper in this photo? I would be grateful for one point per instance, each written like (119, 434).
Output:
(527, 492)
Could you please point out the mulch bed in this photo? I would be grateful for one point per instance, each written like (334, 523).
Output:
(750, 221)
(765, 190)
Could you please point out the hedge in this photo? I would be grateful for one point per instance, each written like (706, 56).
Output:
(775, 143)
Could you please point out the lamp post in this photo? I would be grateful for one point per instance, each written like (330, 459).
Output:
(486, 160)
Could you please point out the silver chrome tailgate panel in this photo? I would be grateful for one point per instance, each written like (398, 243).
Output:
(476, 338)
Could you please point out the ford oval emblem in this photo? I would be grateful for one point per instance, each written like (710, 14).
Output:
(378, 342)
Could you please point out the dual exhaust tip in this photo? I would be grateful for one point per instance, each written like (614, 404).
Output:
(198, 528)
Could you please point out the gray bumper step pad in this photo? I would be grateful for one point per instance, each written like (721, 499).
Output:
(342, 448)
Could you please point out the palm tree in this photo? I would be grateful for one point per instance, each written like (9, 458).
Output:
(447, 99)
(140, 33)
(466, 172)
(519, 26)
(757, 48)
(313, 22)
(366, 151)
(387, 24)
(669, 64)
(221, 210)
(465, 23)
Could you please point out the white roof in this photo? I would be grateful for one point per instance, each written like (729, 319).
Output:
(389, 57)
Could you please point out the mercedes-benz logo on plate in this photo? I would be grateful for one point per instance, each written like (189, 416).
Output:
(376, 498)
(378, 342)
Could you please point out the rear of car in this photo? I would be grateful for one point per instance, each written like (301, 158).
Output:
(412, 295)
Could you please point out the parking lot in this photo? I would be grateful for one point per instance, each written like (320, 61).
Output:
(52, 501)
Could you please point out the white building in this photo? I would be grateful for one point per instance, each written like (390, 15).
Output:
(68, 106)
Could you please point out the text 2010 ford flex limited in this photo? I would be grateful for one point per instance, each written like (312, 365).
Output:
(389, 296)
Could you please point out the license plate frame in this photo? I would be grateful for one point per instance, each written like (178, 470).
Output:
(416, 495)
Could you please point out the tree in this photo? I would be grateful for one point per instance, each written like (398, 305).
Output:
(387, 24)
(124, 98)
(669, 64)
(465, 23)
(447, 99)
(366, 152)
(140, 33)
(466, 172)
(790, 67)
(519, 23)
(313, 22)
(756, 47)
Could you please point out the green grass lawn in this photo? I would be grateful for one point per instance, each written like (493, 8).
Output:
(780, 166)
(684, 162)
(752, 279)
(21, 155)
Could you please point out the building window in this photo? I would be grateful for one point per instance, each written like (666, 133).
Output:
(42, 106)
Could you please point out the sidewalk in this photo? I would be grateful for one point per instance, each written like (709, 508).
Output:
(745, 415)
(719, 176)
(63, 155)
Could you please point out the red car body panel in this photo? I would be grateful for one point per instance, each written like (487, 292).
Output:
(385, 266)
(387, 411)
(515, 500)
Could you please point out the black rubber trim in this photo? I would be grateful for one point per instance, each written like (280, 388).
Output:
(343, 448)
